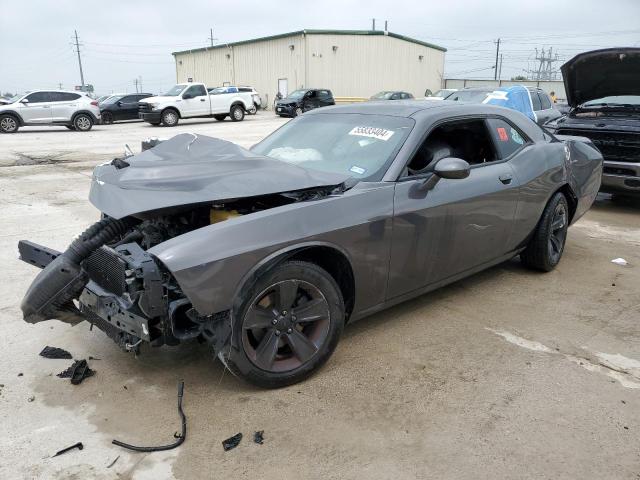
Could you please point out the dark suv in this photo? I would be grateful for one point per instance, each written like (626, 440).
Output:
(121, 107)
(300, 101)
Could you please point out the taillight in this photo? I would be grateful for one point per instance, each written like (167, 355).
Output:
(94, 103)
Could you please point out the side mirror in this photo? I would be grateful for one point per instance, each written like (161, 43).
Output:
(119, 103)
(24, 100)
(187, 96)
(451, 168)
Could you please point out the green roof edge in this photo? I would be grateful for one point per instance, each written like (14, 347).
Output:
(315, 32)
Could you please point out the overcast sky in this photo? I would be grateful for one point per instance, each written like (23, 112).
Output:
(121, 41)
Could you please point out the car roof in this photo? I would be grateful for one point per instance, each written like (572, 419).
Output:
(408, 108)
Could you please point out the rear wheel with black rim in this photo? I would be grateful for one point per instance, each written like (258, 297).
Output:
(8, 124)
(287, 326)
(107, 118)
(83, 122)
(220, 118)
(547, 244)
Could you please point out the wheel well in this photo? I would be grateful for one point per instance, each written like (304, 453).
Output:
(171, 108)
(572, 199)
(237, 102)
(73, 118)
(14, 115)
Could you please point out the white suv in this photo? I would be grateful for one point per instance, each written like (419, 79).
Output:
(74, 110)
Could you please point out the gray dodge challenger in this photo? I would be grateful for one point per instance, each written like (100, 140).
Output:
(267, 253)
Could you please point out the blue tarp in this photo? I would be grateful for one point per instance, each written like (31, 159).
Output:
(515, 98)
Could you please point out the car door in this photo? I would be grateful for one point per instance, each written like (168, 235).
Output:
(195, 102)
(454, 227)
(310, 100)
(36, 108)
(63, 105)
(127, 107)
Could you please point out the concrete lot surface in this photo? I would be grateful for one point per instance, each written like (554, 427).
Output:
(507, 374)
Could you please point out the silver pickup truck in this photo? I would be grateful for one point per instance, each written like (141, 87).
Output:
(192, 100)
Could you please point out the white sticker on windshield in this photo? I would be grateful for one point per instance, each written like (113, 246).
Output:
(358, 170)
(373, 132)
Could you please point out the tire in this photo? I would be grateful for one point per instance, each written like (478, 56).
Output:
(170, 118)
(9, 124)
(107, 118)
(547, 244)
(237, 113)
(253, 110)
(220, 118)
(71, 127)
(273, 355)
(155, 124)
(298, 112)
(83, 122)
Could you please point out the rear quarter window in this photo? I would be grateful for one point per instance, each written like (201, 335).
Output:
(506, 137)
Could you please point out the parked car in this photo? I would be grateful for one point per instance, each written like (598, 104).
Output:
(342, 212)
(5, 101)
(193, 100)
(300, 101)
(440, 94)
(74, 110)
(532, 101)
(392, 95)
(257, 100)
(603, 91)
(121, 107)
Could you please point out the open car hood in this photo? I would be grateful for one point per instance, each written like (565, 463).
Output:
(190, 169)
(602, 73)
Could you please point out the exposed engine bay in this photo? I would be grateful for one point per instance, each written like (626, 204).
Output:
(108, 278)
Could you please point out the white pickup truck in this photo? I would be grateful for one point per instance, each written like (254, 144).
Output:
(192, 100)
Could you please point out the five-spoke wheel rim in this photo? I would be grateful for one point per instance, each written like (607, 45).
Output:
(8, 124)
(285, 326)
(83, 123)
(237, 113)
(557, 232)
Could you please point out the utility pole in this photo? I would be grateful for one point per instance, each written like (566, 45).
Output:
(500, 70)
(495, 70)
(140, 83)
(373, 24)
(135, 82)
(79, 60)
(385, 25)
(59, 86)
(211, 36)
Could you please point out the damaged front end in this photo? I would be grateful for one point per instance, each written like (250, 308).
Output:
(107, 278)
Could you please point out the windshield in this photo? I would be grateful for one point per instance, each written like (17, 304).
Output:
(382, 95)
(471, 96)
(17, 97)
(361, 146)
(297, 94)
(614, 101)
(175, 91)
(443, 93)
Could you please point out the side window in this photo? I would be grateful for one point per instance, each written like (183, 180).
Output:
(506, 138)
(39, 97)
(467, 139)
(535, 100)
(395, 96)
(197, 90)
(65, 96)
(128, 99)
(312, 94)
(545, 100)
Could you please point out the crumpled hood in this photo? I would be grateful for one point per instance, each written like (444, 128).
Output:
(602, 73)
(190, 169)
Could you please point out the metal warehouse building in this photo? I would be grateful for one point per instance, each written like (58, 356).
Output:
(351, 63)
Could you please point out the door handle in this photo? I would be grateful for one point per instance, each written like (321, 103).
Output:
(202, 99)
(506, 178)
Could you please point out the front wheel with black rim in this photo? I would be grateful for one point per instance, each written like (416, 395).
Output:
(287, 326)
(107, 118)
(8, 124)
(220, 117)
(170, 118)
(83, 122)
(237, 113)
(547, 244)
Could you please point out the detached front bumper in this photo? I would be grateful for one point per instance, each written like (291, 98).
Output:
(621, 178)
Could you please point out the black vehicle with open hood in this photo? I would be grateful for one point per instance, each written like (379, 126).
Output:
(603, 91)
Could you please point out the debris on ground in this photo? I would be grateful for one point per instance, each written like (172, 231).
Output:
(114, 462)
(258, 437)
(55, 353)
(179, 436)
(231, 442)
(31, 398)
(77, 372)
(619, 261)
(78, 445)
